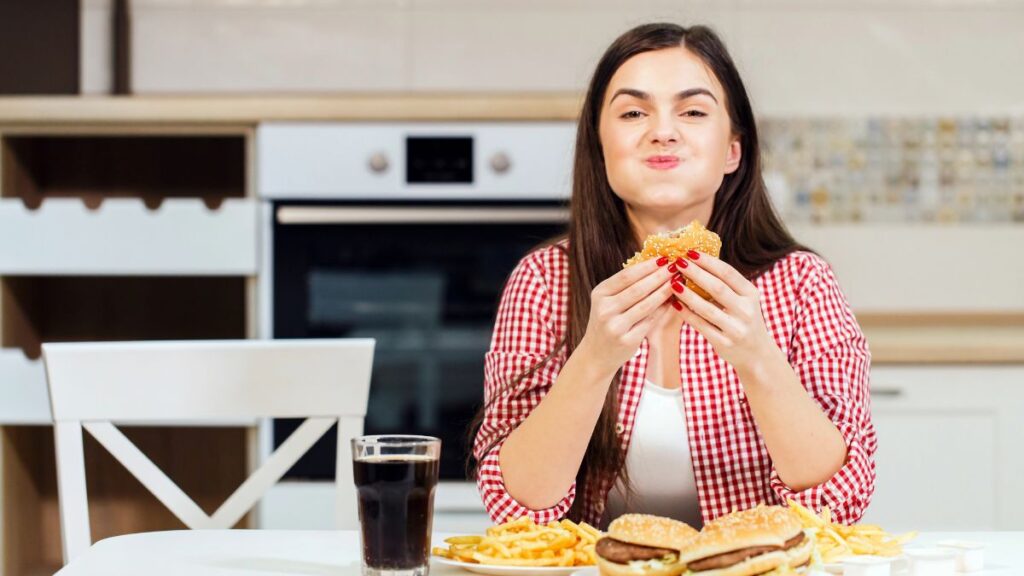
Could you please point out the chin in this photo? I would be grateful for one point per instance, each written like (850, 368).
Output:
(667, 197)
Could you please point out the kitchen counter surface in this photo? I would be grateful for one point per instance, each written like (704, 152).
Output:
(945, 340)
(252, 109)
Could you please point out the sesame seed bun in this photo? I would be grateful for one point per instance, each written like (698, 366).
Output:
(653, 531)
(771, 526)
(675, 244)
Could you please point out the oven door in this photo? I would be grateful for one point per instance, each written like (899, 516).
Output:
(425, 282)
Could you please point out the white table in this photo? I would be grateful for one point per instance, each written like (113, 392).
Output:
(337, 553)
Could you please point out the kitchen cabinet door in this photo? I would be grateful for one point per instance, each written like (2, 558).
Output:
(946, 458)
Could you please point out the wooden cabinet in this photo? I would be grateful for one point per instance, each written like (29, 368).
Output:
(949, 455)
(116, 234)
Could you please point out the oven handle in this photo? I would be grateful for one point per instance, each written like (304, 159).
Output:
(307, 215)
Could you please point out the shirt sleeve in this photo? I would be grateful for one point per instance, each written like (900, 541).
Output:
(524, 336)
(829, 354)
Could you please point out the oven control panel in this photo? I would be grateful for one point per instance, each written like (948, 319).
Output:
(415, 161)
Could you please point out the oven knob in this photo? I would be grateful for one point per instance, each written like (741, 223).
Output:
(500, 163)
(379, 162)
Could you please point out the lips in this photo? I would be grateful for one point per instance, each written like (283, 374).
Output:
(662, 162)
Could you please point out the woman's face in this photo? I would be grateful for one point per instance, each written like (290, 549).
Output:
(666, 136)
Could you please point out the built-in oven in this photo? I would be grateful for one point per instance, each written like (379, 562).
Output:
(405, 233)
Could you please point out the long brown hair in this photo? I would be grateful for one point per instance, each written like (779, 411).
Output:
(600, 237)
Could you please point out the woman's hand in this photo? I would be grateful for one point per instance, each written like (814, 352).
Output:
(623, 309)
(735, 328)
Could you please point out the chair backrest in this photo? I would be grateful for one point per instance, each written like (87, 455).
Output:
(95, 385)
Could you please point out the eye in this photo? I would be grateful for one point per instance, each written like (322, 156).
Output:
(694, 114)
(632, 114)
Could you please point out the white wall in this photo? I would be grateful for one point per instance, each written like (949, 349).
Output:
(797, 56)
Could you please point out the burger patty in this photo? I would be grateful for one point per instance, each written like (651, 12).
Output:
(731, 558)
(622, 553)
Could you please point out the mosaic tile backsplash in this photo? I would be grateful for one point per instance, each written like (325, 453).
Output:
(896, 169)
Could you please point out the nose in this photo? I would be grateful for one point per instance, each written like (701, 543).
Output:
(664, 131)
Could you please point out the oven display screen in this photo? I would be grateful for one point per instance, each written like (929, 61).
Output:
(439, 160)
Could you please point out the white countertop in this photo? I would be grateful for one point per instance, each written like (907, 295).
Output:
(336, 553)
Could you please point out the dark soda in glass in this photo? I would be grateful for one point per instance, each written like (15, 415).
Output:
(396, 507)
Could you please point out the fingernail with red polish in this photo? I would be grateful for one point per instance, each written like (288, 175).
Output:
(672, 268)
(682, 263)
(693, 254)
(663, 260)
(677, 304)
(677, 287)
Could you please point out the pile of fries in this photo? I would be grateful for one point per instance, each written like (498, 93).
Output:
(522, 542)
(836, 541)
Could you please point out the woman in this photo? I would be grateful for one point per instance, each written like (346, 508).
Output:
(611, 390)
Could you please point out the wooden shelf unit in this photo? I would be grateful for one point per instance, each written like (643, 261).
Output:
(154, 164)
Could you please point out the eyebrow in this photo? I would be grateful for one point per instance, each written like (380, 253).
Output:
(688, 93)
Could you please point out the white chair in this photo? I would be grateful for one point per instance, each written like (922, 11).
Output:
(94, 385)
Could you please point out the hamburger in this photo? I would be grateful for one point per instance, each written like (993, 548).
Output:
(643, 545)
(675, 244)
(762, 540)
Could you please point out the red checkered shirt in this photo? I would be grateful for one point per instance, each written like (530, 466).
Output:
(810, 320)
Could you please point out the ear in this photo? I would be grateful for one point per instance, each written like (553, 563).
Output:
(733, 157)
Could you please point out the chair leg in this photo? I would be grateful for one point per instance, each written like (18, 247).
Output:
(345, 506)
(74, 503)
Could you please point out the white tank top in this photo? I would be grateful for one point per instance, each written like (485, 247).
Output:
(658, 461)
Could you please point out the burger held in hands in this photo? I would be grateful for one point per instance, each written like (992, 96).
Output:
(762, 540)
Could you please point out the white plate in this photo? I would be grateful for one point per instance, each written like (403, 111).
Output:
(500, 570)
(898, 567)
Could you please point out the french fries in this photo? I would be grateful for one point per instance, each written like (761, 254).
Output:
(836, 541)
(522, 542)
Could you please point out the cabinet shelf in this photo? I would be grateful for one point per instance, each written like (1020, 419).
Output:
(23, 395)
(124, 237)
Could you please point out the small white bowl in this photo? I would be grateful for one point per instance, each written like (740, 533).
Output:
(867, 566)
(931, 561)
(970, 556)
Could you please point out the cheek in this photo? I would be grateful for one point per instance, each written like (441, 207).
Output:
(717, 142)
(616, 145)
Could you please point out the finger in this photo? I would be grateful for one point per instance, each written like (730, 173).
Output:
(628, 276)
(709, 332)
(641, 289)
(713, 285)
(722, 270)
(714, 315)
(642, 327)
(648, 305)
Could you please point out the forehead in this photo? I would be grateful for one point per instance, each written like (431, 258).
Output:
(664, 73)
